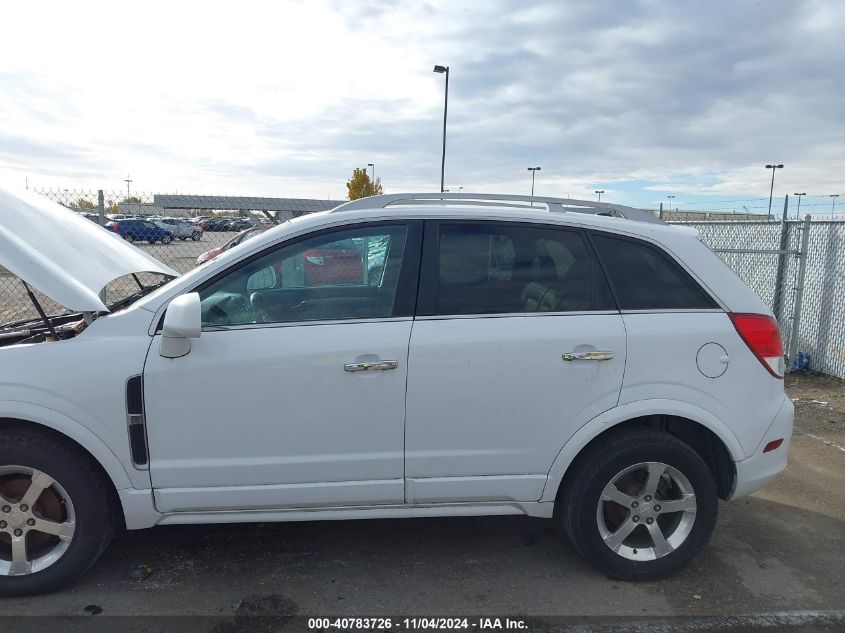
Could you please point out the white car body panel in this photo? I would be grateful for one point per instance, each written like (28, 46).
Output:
(67, 257)
(300, 431)
(286, 451)
(78, 387)
(662, 351)
(480, 422)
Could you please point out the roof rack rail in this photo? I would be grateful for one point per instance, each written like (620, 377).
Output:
(560, 205)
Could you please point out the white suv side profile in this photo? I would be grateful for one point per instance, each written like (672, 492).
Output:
(609, 373)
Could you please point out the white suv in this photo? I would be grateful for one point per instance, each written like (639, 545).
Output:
(610, 373)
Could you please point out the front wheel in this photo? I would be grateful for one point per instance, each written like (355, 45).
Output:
(55, 514)
(640, 505)
(196, 235)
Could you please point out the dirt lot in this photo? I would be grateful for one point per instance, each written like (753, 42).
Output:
(774, 563)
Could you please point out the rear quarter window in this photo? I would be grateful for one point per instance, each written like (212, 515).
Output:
(646, 278)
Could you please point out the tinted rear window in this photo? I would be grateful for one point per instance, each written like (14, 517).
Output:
(645, 278)
(496, 268)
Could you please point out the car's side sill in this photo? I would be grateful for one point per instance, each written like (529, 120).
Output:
(534, 509)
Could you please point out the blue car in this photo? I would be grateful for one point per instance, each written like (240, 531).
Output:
(143, 230)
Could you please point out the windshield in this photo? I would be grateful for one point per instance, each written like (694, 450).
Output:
(124, 291)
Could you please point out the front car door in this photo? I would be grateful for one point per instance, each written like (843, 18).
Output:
(294, 395)
(517, 344)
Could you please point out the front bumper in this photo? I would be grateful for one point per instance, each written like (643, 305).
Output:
(756, 471)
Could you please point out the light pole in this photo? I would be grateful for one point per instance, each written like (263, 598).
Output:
(128, 181)
(771, 191)
(799, 195)
(374, 171)
(599, 191)
(833, 206)
(670, 202)
(444, 69)
(533, 171)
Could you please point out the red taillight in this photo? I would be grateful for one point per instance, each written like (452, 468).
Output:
(115, 227)
(762, 335)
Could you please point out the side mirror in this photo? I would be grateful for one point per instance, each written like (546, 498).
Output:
(182, 322)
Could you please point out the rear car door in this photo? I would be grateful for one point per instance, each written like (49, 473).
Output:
(517, 343)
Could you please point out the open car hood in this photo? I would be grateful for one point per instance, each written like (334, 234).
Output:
(62, 254)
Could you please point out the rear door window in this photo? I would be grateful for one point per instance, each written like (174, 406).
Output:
(646, 278)
(500, 268)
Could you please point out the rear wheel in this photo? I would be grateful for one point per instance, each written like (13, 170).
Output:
(640, 506)
(167, 238)
(55, 514)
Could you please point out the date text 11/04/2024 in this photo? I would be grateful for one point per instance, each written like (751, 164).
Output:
(416, 623)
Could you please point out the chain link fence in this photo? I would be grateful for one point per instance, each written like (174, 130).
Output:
(182, 230)
(810, 307)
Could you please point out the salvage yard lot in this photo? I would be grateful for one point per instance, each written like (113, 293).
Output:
(779, 550)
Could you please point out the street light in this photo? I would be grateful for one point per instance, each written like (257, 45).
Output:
(374, 171)
(444, 69)
(833, 206)
(771, 191)
(800, 195)
(127, 180)
(670, 202)
(533, 171)
(599, 191)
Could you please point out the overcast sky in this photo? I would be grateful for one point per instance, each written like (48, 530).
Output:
(641, 99)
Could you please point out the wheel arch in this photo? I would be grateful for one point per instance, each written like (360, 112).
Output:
(103, 460)
(707, 435)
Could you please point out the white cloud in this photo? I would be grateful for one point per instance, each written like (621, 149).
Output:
(285, 98)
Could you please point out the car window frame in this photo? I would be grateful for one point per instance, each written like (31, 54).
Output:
(681, 267)
(404, 304)
(430, 268)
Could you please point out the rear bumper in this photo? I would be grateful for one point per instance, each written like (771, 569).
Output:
(756, 471)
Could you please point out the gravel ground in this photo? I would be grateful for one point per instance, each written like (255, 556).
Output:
(775, 563)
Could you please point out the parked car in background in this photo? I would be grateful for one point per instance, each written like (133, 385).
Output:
(336, 263)
(181, 228)
(94, 217)
(217, 224)
(239, 224)
(243, 236)
(610, 374)
(141, 230)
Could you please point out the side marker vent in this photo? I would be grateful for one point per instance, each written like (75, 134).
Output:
(135, 420)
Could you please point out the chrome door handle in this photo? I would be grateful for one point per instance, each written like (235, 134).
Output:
(379, 365)
(588, 356)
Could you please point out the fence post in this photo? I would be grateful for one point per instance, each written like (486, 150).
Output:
(661, 210)
(781, 272)
(101, 207)
(799, 290)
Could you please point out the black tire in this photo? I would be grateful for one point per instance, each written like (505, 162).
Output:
(129, 237)
(579, 498)
(196, 235)
(167, 238)
(95, 517)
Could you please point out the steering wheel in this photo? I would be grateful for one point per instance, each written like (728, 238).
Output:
(260, 307)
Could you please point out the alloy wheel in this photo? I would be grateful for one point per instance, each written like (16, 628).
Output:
(646, 511)
(37, 521)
